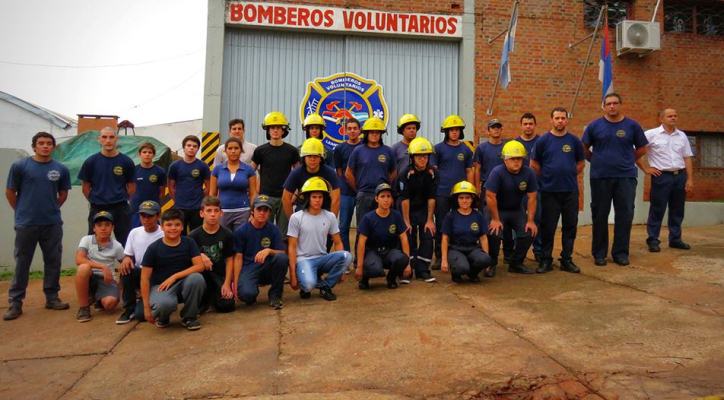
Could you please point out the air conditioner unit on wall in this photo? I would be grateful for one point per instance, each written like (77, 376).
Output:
(641, 37)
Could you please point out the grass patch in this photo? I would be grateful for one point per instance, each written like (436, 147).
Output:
(7, 275)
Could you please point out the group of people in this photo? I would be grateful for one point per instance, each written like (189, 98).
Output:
(276, 212)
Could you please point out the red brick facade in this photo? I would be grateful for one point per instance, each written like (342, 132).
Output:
(687, 74)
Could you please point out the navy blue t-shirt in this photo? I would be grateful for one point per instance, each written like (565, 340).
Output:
(557, 157)
(402, 157)
(148, 182)
(37, 185)
(248, 240)
(529, 145)
(341, 156)
(371, 166)
(464, 230)
(382, 232)
(510, 189)
(189, 179)
(488, 156)
(613, 146)
(299, 175)
(233, 193)
(167, 260)
(451, 162)
(108, 177)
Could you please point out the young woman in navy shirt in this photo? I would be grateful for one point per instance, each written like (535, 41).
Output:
(463, 230)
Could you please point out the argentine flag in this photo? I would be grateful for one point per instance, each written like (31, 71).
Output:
(508, 47)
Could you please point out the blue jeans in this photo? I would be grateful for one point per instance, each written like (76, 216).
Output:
(309, 271)
(346, 210)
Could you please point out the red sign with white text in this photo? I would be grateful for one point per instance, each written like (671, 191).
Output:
(342, 19)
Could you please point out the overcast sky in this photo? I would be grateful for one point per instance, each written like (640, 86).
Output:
(140, 60)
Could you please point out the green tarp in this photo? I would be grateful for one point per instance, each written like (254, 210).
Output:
(73, 152)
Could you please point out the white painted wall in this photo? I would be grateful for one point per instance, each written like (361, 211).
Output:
(171, 134)
(17, 127)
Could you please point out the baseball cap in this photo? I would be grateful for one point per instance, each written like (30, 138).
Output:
(494, 122)
(102, 216)
(149, 207)
(262, 200)
(382, 187)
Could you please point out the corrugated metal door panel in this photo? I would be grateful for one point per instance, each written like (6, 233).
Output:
(417, 76)
(269, 70)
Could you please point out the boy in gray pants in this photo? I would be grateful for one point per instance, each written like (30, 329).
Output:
(171, 274)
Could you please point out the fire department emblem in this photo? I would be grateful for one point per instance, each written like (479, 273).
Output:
(523, 186)
(339, 97)
(566, 148)
(265, 242)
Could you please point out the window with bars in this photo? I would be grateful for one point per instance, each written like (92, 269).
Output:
(617, 11)
(708, 149)
(701, 17)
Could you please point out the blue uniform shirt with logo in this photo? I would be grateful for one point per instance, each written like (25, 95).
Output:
(249, 240)
(509, 188)
(148, 182)
(108, 177)
(613, 145)
(189, 179)
(341, 158)
(451, 162)
(299, 175)
(558, 157)
(529, 145)
(37, 185)
(167, 260)
(382, 232)
(464, 230)
(371, 166)
(233, 193)
(488, 156)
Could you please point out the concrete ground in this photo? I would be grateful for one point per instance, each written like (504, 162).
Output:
(654, 330)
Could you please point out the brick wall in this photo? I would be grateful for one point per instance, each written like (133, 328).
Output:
(687, 74)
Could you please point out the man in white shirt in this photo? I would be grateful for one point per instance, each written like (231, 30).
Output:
(136, 244)
(670, 166)
(236, 129)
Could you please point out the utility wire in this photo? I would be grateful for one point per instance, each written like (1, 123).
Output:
(100, 66)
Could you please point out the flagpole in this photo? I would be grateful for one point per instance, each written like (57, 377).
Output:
(497, 76)
(588, 58)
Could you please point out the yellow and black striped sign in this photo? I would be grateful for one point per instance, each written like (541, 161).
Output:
(210, 141)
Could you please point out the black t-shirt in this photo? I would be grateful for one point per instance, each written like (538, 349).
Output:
(417, 186)
(167, 260)
(217, 246)
(275, 163)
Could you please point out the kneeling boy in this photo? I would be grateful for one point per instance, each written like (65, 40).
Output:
(171, 274)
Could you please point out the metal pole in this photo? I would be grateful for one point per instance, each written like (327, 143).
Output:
(497, 75)
(576, 43)
(588, 58)
(491, 40)
(656, 10)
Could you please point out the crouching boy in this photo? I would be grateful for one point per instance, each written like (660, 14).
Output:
(95, 258)
(171, 274)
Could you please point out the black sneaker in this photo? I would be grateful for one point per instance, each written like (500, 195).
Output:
(327, 294)
(84, 314)
(303, 294)
(517, 268)
(457, 278)
(427, 277)
(98, 305)
(364, 284)
(600, 262)
(191, 324)
(654, 246)
(679, 245)
(569, 266)
(474, 278)
(276, 303)
(15, 310)
(163, 323)
(392, 282)
(126, 317)
(490, 271)
(56, 304)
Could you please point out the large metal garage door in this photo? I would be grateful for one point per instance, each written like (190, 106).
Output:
(269, 70)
